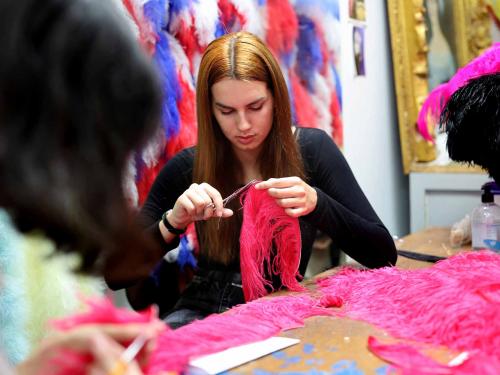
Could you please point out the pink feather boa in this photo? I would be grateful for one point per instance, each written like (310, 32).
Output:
(455, 303)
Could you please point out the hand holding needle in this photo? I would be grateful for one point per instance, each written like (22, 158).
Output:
(129, 355)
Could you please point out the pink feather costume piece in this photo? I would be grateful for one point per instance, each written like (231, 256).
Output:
(100, 311)
(256, 320)
(266, 224)
(488, 62)
(455, 303)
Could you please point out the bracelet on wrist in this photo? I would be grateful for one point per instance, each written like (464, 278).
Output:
(170, 228)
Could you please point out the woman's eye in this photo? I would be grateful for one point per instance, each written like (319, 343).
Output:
(226, 112)
(256, 108)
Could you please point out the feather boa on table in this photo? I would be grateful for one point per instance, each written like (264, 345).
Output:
(454, 303)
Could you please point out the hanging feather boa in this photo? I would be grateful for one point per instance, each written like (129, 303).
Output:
(325, 14)
(309, 55)
(321, 101)
(205, 16)
(147, 35)
(228, 18)
(187, 135)
(282, 27)
(305, 112)
(250, 16)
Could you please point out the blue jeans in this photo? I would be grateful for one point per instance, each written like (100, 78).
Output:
(210, 292)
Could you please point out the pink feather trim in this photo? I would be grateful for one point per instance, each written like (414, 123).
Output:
(267, 227)
(101, 311)
(246, 323)
(455, 303)
(488, 62)
(256, 320)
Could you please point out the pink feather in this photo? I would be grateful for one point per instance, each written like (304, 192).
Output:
(102, 311)
(266, 226)
(488, 62)
(246, 323)
(455, 303)
(338, 133)
(253, 321)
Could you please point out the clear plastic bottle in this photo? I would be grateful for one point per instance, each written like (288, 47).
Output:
(486, 223)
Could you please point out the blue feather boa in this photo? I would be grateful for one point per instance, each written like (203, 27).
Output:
(13, 306)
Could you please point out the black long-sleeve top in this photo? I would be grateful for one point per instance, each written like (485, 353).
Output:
(342, 211)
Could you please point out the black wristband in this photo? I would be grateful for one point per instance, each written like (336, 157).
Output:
(169, 226)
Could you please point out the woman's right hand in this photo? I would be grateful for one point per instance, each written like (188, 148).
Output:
(199, 202)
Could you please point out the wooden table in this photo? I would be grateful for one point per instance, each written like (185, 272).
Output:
(339, 346)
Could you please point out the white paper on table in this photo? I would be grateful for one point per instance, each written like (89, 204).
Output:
(221, 361)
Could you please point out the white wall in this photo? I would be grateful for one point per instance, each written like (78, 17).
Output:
(371, 136)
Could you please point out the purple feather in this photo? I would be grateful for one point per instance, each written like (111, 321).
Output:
(309, 57)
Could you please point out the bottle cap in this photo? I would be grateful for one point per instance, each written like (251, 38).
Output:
(487, 197)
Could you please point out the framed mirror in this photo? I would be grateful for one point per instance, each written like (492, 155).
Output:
(430, 39)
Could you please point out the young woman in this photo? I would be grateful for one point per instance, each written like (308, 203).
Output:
(245, 132)
(77, 96)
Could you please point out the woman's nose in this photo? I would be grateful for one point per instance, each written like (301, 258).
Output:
(243, 123)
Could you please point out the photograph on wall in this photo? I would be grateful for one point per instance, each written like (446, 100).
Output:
(493, 7)
(357, 10)
(442, 54)
(358, 47)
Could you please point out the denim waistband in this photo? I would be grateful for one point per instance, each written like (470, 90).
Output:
(219, 275)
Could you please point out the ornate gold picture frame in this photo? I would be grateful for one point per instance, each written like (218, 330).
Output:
(469, 25)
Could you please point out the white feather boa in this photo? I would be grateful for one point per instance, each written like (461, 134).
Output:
(35, 288)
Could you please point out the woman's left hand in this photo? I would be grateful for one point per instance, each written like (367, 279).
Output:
(292, 193)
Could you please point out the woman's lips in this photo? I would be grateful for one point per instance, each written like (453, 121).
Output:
(245, 139)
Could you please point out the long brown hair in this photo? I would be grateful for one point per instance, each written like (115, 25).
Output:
(241, 56)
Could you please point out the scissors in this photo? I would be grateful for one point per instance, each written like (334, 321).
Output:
(230, 197)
